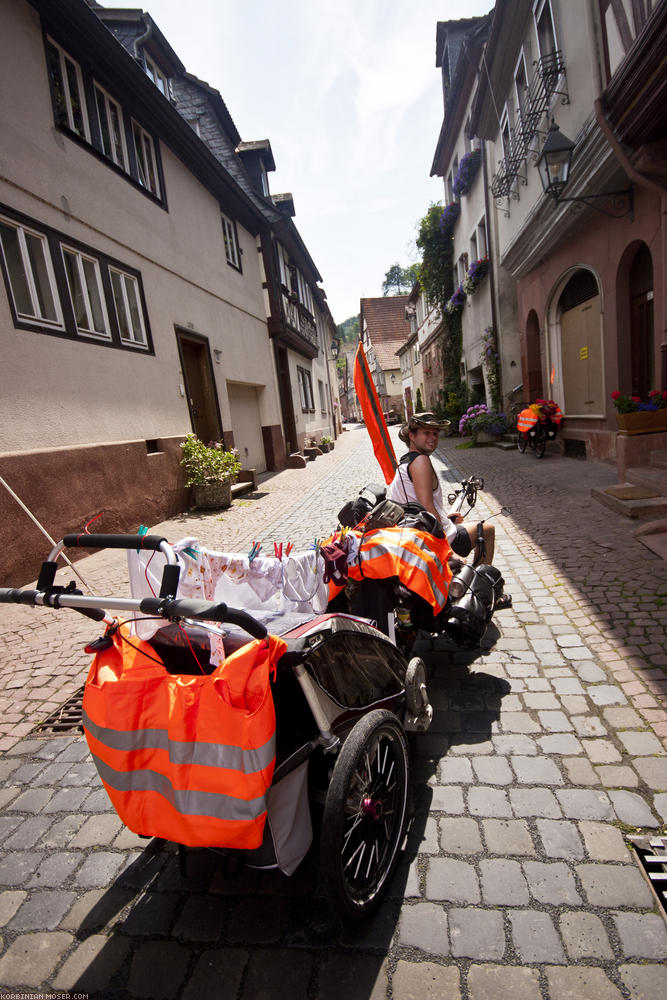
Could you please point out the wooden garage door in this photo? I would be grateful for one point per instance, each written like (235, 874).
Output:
(247, 425)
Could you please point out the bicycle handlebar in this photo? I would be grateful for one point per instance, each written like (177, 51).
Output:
(85, 541)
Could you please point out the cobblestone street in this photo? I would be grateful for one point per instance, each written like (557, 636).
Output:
(548, 749)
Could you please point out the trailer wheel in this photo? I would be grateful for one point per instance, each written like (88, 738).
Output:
(365, 814)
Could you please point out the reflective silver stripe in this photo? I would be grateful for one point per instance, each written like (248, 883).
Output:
(185, 751)
(189, 803)
(376, 551)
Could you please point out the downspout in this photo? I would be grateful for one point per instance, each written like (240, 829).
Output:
(493, 258)
(643, 181)
(142, 39)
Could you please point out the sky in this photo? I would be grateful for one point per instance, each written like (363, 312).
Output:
(348, 93)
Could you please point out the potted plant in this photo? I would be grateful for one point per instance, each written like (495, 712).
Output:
(636, 417)
(325, 443)
(475, 274)
(210, 470)
(457, 301)
(465, 175)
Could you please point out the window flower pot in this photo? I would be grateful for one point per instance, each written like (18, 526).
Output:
(213, 496)
(643, 421)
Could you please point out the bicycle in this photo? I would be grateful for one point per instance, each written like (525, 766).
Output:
(535, 438)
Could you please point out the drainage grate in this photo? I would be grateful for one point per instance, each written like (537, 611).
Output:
(652, 855)
(65, 720)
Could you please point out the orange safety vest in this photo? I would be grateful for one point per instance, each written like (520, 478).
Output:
(186, 758)
(417, 558)
(526, 419)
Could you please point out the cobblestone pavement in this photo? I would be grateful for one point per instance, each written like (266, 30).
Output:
(547, 749)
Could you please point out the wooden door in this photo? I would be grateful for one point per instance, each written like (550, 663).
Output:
(200, 388)
(581, 350)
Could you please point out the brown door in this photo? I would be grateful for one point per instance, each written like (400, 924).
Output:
(641, 340)
(200, 387)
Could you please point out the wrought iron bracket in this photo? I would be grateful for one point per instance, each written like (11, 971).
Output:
(622, 203)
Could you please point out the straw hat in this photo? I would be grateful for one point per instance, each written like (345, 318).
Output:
(426, 419)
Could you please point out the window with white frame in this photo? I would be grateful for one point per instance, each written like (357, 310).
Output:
(144, 149)
(232, 251)
(450, 186)
(473, 246)
(59, 286)
(156, 75)
(462, 267)
(305, 389)
(482, 245)
(29, 274)
(505, 135)
(416, 356)
(112, 133)
(323, 398)
(521, 85)
(466, 136)
(128, 308)
(67, 89)
(544, 28)
(84, 280)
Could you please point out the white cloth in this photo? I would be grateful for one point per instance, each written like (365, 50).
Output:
(303, 581)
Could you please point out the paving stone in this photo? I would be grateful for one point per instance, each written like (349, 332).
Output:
(451, 880)
(217, 974)
(631, 809)
(424, 926)
(606, 694)
(644, 982)
(535, 937)
(460, 836)
(97, 801)
(562, 743)
(96, 909)
(498, 982)
(555, 722)
(99, 868)
(614, 885)
(580, 771)
(604, 842)
(16, 868)
(560, 839)
(640, 744)
(10, 900)
(32, 958)
(551, 883)
(508, 836)
(42, 911)
(29, 833)
(541, 700)
(601, 752)
(582, 803)
(98, 831)
(202, 919)
(7, 826)
(158, 969)
(518, 722)
(652, 770)
(589, 725)
(471, 749)
(585, 937)
(93, 964)
(536, 771)
(455, 770)
(476, 933)
(567, 685)
(447, 799)
(249, 925)
(660, 805)
(424, 839)
(582, 984)
(424, 981)
(590, 673)
(66, 800)
(55, 869)
(503, 882)
(152, 913)
(517, 743)
(613, 776)
(574, 704)
(534, 802)
(483, 801)
(642, 935)
(34, 800)
(622, 718)
(493, 770)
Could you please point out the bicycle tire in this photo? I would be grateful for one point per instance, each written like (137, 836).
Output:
(521, 442)
(540, 442)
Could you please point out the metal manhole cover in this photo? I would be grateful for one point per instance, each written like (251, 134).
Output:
(64, 720)
(651, 853)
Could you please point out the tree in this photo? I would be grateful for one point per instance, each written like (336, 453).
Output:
(399, 280)
(348, 330)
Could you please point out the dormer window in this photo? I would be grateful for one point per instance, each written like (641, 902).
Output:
(156, 75)
(264, 180)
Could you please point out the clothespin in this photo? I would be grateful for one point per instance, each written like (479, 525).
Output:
(254, 551)
(193, 553)
(316, 544)
(278, 550)
(289, 549)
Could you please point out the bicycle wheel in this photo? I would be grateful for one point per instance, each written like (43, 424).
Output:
(521, 442)
(365, 813)
(540, 442)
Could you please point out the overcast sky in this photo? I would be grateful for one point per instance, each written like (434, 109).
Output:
(348, 93)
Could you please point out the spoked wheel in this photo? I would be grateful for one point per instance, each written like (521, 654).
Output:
(540, 443)
(365, 813)
(521, 442)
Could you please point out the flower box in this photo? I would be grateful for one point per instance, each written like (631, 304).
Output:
(643, 421)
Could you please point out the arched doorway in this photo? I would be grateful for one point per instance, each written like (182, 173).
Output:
(534, 389)
(575, 345)
(642, 350)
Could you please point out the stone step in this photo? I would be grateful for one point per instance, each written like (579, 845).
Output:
(631, 506)
(658, 458)
(240, 488)
(650, 477)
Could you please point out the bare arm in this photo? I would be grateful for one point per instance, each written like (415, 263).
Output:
(422, 475)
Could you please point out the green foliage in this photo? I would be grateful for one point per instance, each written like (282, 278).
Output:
(398, 280)
(419, 405)
(208, 463)
(491, 361)
(325, 439)
(348, 330)
(437, 250)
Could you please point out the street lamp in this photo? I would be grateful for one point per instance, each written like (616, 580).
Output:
(335, 348)
(554, 164)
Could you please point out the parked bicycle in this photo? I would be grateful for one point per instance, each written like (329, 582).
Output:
(537, 424)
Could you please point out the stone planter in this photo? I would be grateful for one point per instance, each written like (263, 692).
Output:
(213, 496)
(643, 421)
(483, 437)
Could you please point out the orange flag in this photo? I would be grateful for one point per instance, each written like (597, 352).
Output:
(372, 411)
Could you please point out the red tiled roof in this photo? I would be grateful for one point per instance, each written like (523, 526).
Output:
(388, 328)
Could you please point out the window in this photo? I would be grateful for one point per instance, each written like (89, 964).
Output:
(462, 267)
(482, 245)
(128, 308)
(544, 26)
(110, 119)
(156, 75)
(505, 135)
(67, 90)
(30, 274)
(416, 355)
(323, 398)
(521, 86)
(450, 186)
(305, 389)
(231, 242)
(473, 246)
(146, 162)
(85, 288)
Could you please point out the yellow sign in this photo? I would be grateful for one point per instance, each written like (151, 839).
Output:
(583, 354)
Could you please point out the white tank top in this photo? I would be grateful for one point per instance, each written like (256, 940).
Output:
(402, 491)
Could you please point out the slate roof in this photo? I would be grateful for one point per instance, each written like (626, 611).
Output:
(387, 326)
